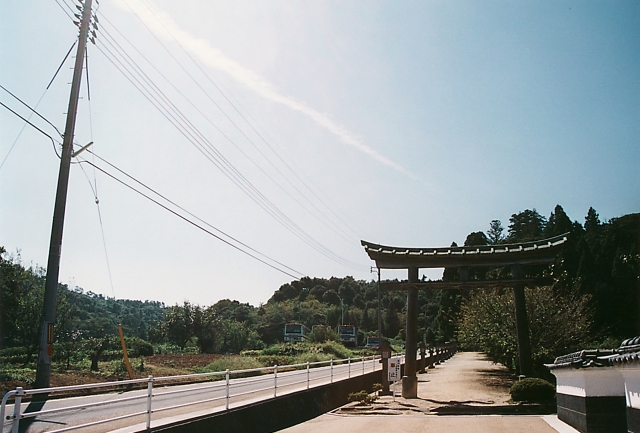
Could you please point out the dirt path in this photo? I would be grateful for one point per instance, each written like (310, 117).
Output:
(466, 381)
(467, 378)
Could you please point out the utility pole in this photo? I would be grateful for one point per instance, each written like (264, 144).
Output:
(43, 372)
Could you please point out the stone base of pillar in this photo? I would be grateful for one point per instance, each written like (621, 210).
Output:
(410, 387)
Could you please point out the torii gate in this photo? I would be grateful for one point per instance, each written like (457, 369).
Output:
(513, 255)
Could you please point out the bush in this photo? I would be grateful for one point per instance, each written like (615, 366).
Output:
(320, 334)
(334, 348)
(532, 390)
(271, 360)
(26, 375)
(284, 349)
(231, 363)
(361, 396)
(166, 348)
(13, 355)
(137, 347)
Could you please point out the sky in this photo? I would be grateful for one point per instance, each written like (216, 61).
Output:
(300, 128)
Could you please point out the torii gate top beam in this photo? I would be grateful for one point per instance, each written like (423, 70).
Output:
(527, 253)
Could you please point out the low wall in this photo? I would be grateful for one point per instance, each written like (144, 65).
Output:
(277, 413)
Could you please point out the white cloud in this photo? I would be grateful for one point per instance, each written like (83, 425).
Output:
(164, 26)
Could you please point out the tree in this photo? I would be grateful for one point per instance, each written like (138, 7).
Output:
(558, 325)
(331, 297)
(494, 234)
(476, 238)
(559, 223)
(591, 221)
(22, 296)
(527, 225)
(178, 324)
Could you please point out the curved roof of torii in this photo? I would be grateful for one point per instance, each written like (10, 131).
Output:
(527, 253)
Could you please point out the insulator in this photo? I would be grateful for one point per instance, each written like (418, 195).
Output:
(79, 8)
(95, 17)
(93, 41)
(94, 34)
(77, 23)
(77, 16)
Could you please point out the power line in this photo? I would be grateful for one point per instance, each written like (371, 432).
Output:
(200, 142)
(53, 142)
(31, 109)
(168, 109)
(112, 41)
(191, 214)
(287, 179)
(188, 220)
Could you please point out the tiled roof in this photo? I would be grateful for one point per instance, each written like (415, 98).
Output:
(582, 359)
(627, 353)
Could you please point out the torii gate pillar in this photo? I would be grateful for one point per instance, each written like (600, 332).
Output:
(522, 323)
(410, 380)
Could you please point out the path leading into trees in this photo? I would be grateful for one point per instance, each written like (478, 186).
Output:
(464, 394)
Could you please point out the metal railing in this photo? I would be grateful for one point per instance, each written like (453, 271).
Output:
(294, 377)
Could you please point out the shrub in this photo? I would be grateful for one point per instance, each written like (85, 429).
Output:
(231, 363)
(14, 355)
(138, 347)
(320, 334)
(361, 396)
(284, 349)
(336, 349)
(532, 390)
(271, 360)
(26, 375)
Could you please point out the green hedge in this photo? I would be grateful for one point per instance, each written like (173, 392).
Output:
(532, 390)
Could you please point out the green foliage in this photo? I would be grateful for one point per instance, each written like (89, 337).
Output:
(476, 238)
(362, 397)
(23, 374)
(21, 299)
(558, 325)
(495, 233)
(532, 390)
(271, 360)
(320, 334)
(334, 348)
(137, 347)
(526, 226)
(231, 363)
(595, 300)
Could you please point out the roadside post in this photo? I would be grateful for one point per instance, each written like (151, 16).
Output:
(394, 374)
(384, 349)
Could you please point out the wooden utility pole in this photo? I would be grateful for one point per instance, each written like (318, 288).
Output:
(43, 372)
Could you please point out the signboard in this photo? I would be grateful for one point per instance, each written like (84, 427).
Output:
(394, 369)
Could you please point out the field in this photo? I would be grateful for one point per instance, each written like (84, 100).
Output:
(156, 365)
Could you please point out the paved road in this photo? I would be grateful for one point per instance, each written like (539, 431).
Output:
(207, 396)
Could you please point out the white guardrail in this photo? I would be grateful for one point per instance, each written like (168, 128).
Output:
(314, 372)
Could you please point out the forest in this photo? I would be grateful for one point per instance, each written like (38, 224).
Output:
(593, 302)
